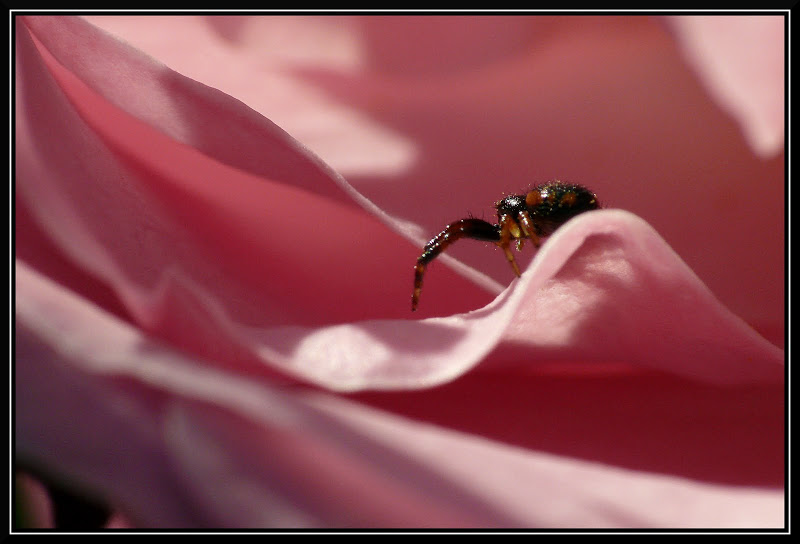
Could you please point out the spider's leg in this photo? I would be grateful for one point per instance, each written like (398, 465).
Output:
(528, 229)
(477, 229)
(508, 230)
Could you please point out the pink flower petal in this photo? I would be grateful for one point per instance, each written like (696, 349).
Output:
(574, 98)
(741, 61)
(182, 277)
(181, 445)
(606, 102)
(181, 260)
(604, 289)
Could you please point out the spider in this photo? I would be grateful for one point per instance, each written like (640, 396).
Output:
(537, 213)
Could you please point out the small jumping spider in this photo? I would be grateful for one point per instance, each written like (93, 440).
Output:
(537, 213)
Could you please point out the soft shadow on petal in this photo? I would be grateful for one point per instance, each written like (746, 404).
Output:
(187, 242)
(123, 395)
(177, 444)
(607, 102)
(615, 352)
(604, 289)
(624, 295)
(183, 109)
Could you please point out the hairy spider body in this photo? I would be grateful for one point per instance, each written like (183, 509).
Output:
(530, 216)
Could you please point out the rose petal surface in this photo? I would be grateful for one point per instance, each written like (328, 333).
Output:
(503, 90)
(741, 60)
(179, 444)
(194, 279)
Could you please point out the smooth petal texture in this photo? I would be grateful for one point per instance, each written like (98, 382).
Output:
(173, 287)
(595, 103)
(741, 60)
(177, 275)
(608, 102)
(182, 445)
(597, 290)
(234, 262)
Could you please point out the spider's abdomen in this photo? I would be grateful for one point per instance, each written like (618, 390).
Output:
(549, 205)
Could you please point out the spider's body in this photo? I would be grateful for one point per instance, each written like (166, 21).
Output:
(532, 215)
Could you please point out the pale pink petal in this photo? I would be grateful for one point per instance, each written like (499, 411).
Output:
(177, 444)
(234, 261)
(741, 61)
(173, 104)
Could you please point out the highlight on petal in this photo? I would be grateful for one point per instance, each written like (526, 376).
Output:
(177, 444)
(189, 111)
(740, 59)
(625, 295)
(174, 233)
(172, 287)
(605, 288)
(607, 102)
(586, 99)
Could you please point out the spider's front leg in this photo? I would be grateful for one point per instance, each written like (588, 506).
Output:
(477, 229)
(509, 229)
(522, 229)
(528, 230)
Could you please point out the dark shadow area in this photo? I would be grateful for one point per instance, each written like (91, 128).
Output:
(648, 422)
